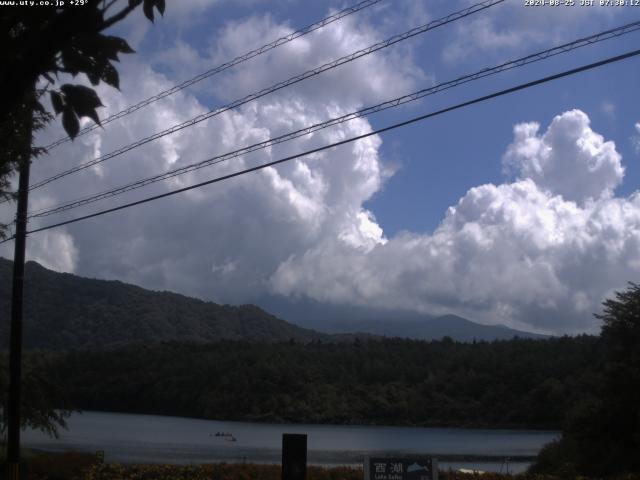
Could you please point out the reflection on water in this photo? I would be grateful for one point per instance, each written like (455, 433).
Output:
(129, 438)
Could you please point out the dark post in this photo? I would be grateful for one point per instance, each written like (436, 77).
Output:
(294, 456)
(15, 345)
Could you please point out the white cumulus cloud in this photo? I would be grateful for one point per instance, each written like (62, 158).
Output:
(536, 253)
(569, 159)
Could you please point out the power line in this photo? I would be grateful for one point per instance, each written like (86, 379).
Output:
(310, 73)
(278, 86)
(500, 93)
(565, 48)
(220, 68)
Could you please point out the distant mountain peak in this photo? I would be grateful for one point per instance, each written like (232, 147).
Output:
(335, 319)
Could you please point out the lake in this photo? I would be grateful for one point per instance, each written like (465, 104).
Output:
(128, 438)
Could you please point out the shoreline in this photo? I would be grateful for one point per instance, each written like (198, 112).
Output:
(262, 422)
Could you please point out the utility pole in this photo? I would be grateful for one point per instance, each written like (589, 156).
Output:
(15, 345)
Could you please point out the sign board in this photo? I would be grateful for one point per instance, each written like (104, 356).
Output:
(400, 468)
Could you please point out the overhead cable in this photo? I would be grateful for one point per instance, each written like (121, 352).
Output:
(278, 86)
(220, 68)
(491, 96)
(565, 48)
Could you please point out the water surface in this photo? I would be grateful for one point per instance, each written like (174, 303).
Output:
(128, 438)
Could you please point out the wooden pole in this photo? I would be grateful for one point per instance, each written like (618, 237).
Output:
(15, 345)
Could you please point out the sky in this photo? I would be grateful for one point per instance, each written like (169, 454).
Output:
(523, 210)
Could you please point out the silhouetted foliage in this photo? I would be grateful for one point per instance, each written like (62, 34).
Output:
(517, 383)
(602, 433)
(41, 391)
(39, 43)
(44, 42)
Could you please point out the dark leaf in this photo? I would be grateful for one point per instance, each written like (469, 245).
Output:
(48, 77)
(83, 109)
(70, 122)
(94, 77)
(147, 8)
(121, 44)
(75, 61)
(105, 46)
(81, 95)
(93, 115)
(110, 52)
(160, 6)
(70, 66)
(57, 102)
(83, 100)
(110, 76)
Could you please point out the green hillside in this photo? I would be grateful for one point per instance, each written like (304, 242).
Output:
(64, 311)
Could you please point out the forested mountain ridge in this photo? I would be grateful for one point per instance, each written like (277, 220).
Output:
(64, 311)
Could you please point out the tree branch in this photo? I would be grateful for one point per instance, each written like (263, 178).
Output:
(107, 6)
(117, 17)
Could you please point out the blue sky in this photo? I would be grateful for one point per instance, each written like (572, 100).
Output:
(451, 215)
